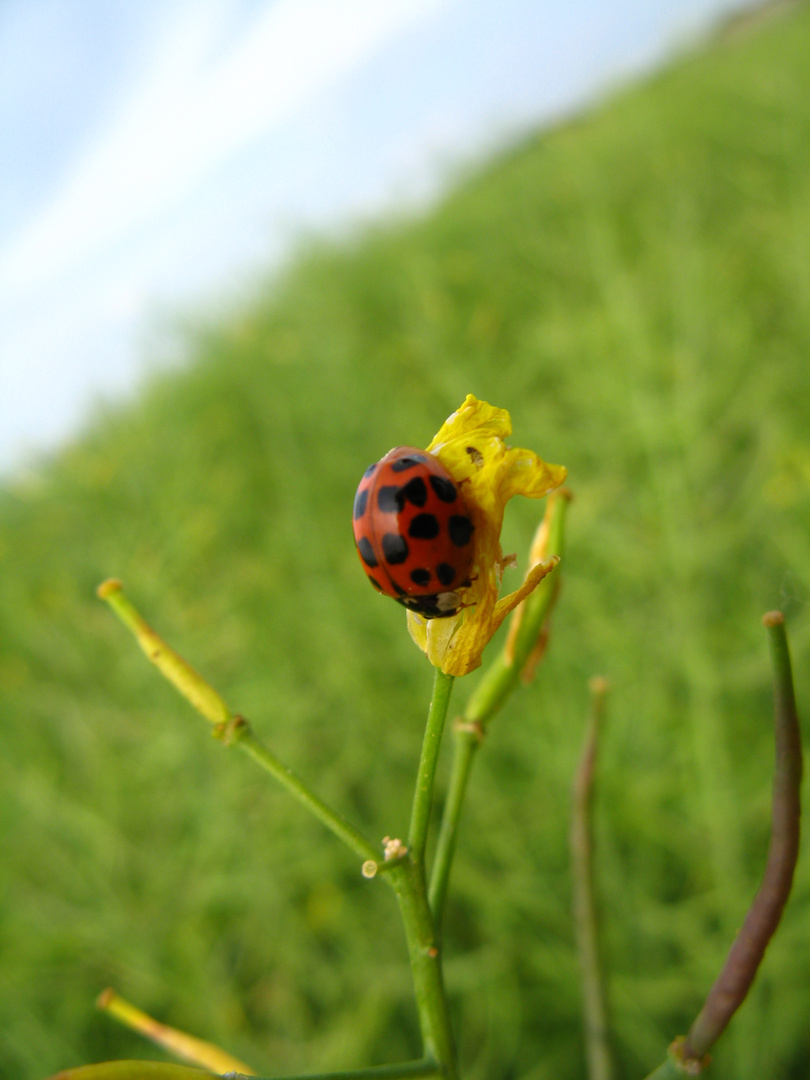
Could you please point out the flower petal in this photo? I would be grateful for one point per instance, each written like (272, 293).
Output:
(456, 645)
(470, 445)
(533, 579)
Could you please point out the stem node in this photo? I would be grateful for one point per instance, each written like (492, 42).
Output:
(691, 1066)
(475, 728)
(231, 731)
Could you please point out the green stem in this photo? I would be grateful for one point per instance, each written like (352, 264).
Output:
(499, 680)
(239, 731)
(504, 672)
(759, 926)
(688, 1055)
(496, 684)
(600, 1065)
(408, 881)
(375, 1072)
(133, 1070)
(466, 740)
(423, 793)
(153, 1070)
(231, 728)
(668, 1070)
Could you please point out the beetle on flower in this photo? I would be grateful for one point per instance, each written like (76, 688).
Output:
(428, 526)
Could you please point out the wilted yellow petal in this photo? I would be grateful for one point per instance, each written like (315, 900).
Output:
(533, 579)
(470, 445)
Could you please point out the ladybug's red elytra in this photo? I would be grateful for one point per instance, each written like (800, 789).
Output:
(413, 532)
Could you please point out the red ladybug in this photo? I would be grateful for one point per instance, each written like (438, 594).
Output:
(413, 532)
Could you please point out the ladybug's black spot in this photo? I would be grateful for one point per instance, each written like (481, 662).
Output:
(395, 548)
(424, 527)
(420, 577)
(444, 488)
(360, 501)
(375, 583)
(397, 589)
(461, 529)
(445, 573)
(409, 462)
(389, 499)
(367, 552)
(414, 492)
(370, 470)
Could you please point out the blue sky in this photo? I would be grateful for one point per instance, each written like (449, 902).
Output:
(155, 154)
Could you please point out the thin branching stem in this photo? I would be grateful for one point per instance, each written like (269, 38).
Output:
(179, 1043)
(497, 683)
(406, 874)
(410, 885)
(600, 1065)
(668, 1070)
(375, 1072)
(505, 670)
(155, 1070)
(134, 1070)
(232, 729)
(245, 739)
(408, 880)
(466, 740)
(431, 744)
(744, 958)
(688, 1055)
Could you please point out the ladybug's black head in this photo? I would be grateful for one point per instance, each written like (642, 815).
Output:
(437, 606)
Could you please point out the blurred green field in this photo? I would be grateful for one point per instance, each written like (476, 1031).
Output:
(635, 288)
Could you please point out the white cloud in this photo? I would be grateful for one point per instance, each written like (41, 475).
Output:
(217, 122)
(195, 105)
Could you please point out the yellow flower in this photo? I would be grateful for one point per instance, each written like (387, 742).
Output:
(470, 445)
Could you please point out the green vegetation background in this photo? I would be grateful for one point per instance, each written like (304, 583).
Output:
(635, 288)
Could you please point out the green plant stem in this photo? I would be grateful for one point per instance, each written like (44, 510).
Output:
(194, 1051)
(408, 881)
(466, 741)
(668, 1070)
(497, 683)
(431, 744)
(600, 1065)
(134, 1070)
(407, 877)
(154, 1070)
(375, 1072)
(688, 1055)
(228, 726)
(745, 955)
(502, 676)
(243, 737)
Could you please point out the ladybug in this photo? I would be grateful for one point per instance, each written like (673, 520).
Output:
(413, 532)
